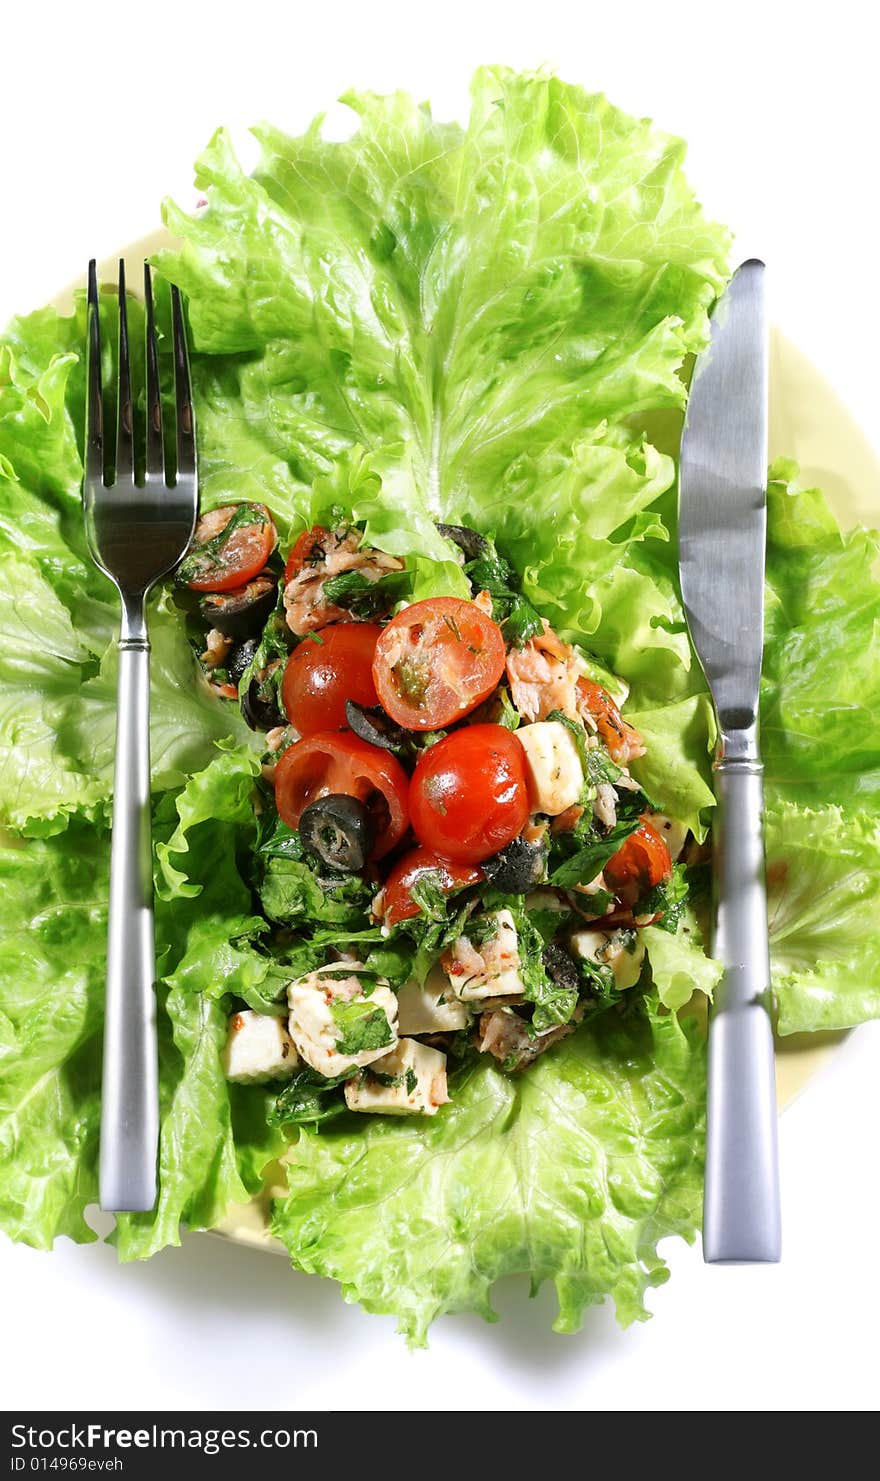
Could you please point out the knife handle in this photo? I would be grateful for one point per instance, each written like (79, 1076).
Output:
(741, 1217)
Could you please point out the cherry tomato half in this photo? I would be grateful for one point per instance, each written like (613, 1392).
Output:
(399, 903)
(308, 549)
(468, 796)
(436, 661)
(324, 671)
(642, 862)
(231, 545)
(339, 762)
(621, 738)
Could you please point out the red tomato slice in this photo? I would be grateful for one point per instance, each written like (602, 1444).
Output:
(468, 797)
(398, 902)
(304, 551)
(621, 738)
(436, 661)
(323, 672)
(231, 545)
(337, 761)
(639, 864)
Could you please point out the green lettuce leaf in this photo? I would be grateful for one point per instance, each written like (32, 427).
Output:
(53, 900)
(823, 875)
(393, 307)
(186, 720)
(223, 958)
(358, 298)
(58, 717)
(369, 335)
(821, 688)
(42, 664)
(221, 794)
(676, 769)
(36, 434)
(571, 1173)
(679, 964)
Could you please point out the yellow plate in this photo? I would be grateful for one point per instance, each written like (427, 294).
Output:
(807, 422)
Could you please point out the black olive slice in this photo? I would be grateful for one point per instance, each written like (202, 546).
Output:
(259, 703)
(259, 706)
(240, 657)
(339, 830)
(373, 725)
(518, 868)
(560, 965)
(470, 542)
(242, 612)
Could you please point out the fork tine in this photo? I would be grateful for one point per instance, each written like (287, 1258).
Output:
(124, 417)
(155, 442)
(94, 455)
(186, 439)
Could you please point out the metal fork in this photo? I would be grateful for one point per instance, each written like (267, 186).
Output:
(137, 533)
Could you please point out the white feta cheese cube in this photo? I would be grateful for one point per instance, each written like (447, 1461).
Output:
(432, 1009)
(488, 965)
(411, 1080)
(554, 774)
(672, 833)
(617, 950)
(331, 1017)
(258, 1048)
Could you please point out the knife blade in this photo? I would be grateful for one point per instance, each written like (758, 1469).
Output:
(722, 539)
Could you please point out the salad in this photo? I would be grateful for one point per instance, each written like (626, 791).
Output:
(456, 783)
(431, 750)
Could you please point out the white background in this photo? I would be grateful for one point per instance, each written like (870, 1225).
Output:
(102, 111)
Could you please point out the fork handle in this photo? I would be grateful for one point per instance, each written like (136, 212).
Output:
(130, 1103)
(741, 1220)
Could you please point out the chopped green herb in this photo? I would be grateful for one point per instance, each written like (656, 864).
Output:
(587, 862)
(272, 652)
(361, 1026)
(388, 1081)
(365, 598)
(425, 739)
(553, 1004)
(294, 894)
(428, 893)
(597, 903)
(308, 1098)
(509, 716)
(668, 899)
(599, 767)
(276, 839)
(512, 611)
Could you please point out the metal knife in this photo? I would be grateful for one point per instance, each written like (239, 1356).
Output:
(722, 538)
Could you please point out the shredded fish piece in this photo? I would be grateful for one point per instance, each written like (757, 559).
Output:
(605, 804)
(339, 551)
(544, 676)
(217, 646)
(506, 1037)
